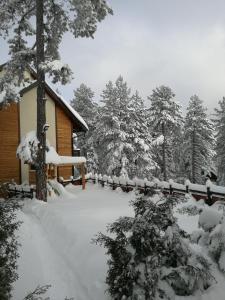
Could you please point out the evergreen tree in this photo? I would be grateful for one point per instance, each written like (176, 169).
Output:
(141, 161)
(83, 103)
(112, 129)
(198, 141)
(219, 122)
(149, 257)
(177, 142)
(8, 246)
(123, 140)
(164, 120)
(53, 19)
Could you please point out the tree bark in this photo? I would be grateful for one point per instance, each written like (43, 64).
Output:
(164, 152)
(41, 185)
(193, 171)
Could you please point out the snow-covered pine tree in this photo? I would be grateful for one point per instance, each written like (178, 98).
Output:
(53, 19)
(165, 120)
(83, 103)
(177, 142)
(149, 256)
(219, 122)
(112, 132)
(198, 141)
(141, 160)
(8, 246)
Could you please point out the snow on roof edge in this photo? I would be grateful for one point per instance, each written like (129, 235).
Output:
(72, 110)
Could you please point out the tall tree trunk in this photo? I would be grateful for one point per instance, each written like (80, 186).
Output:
(164, 152)
(41, 184)
(193, 171)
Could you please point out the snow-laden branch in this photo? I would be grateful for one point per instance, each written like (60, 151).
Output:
(59, 71)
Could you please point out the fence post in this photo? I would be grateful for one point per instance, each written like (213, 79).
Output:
(187, 189)
(209, 196)
(102, 181)
(145, 189)
(209, 193)
(113, 185)
(187, 185)
(127, 189)
(171, 187)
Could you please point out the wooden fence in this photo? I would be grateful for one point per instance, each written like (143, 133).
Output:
(209, 192)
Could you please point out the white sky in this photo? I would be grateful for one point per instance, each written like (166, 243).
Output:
(179, 43)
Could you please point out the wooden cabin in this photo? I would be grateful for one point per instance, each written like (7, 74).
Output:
(17, 119)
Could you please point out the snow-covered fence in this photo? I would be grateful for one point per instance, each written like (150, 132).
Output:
(210, 192)
(15, 190)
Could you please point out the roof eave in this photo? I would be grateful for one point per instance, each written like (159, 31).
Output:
(79, 125)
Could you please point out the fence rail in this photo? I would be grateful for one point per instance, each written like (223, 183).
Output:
(209, 192)
(9, 190)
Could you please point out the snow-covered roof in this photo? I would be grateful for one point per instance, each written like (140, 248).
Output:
(27, 151)
(52, 157)
(74, 114)
(72, 110)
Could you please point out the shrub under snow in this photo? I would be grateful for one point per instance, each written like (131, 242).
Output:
(213, 235)
(28, 148)
(8, 247)
(149, 256)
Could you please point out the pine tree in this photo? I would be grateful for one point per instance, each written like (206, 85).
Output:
(165, 120)
(111, 132)
(53, 19)
(149, 257)
(219, 122)
(141, 161)
(8, 246)
(122, 139)
(83, 103)
(198, 141)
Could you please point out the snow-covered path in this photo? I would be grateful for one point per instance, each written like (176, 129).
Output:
(56, 243)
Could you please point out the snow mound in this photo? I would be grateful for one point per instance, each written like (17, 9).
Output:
(209, 218)
(27, 149)
(58, 190)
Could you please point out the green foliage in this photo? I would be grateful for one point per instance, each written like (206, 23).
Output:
(219, 122)
(39, 294)
(198, 142)
(122, 137)
(165, 122)
(16, 25)
(83, 103)
(8, 246)
(149, 258)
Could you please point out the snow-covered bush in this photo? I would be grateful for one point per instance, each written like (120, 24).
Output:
(209, 218)
(149, 257)
(8, 247)
(28, 148)
(213, 236)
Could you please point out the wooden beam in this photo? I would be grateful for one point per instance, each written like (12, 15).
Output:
(83, 176)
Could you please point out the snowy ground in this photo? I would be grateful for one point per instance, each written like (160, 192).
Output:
(56, 244)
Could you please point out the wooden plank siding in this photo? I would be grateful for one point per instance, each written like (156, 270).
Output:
(64, 131)
(9, 140)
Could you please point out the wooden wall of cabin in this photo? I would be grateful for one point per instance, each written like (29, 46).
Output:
(9, 140)
(64, 130)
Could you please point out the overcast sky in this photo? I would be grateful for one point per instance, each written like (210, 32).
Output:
(179, 43)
